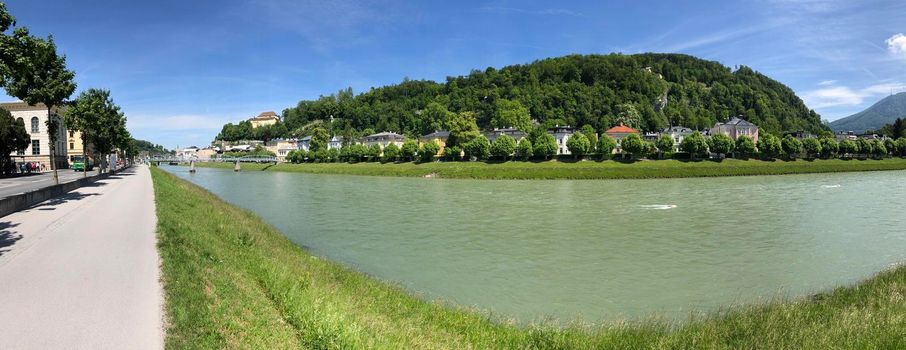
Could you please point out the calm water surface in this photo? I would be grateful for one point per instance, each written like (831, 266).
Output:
(591, 250)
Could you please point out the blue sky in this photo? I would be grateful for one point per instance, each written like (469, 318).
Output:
(181, 69)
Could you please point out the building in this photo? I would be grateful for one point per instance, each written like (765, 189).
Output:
(335, 142)
(187, 153)
(282, 147)
(735, 128)
(677, 133)
(516, 134)
(35, 120)
(384, 139)
(439, 137)
(207, 152)
(264, 119)
(562, 134)
(304, 144)
(619, 132)
(75, 147)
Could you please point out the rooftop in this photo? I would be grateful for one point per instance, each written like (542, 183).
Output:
(266, 115)
(621, 129)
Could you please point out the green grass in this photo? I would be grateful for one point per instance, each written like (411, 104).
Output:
(233, 281)
(645, 169)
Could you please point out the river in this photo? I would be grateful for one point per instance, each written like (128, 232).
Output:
(589, 250)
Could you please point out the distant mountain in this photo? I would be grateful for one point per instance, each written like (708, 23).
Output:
(881, 113)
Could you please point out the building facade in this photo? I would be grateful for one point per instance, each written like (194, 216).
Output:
(516, 134)
(75, 147)
(562, 134)
(383, 139)
(439, 137)
(619, 132)
(677, 133)
(735, 128)
(264, 119)
(35, 120)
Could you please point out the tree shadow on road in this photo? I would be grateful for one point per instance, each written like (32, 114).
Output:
(69, 197)
(7, 237)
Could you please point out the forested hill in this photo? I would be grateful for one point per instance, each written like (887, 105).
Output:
(658, 89)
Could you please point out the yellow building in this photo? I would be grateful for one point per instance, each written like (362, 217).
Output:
(74, 146)
(35, 120)
(438, 137)
(264, 119)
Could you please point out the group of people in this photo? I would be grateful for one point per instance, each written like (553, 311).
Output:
(31, 167)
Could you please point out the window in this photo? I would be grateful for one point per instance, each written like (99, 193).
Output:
(71, 145)
(34, 125)
(35, 147)
(71, 134)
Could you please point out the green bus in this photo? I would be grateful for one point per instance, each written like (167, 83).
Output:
(79, 164)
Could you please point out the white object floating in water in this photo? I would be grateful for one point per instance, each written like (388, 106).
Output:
(658, 206)
(830, 186)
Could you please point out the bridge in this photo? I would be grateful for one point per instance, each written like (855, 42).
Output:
(245, 159)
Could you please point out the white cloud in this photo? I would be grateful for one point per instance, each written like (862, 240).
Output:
(896, 45)
(827, 82)
(541, 12)
(844, 96)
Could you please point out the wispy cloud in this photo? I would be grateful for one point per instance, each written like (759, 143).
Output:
(538, 12)
(827, 82)
(896, 45)
(837, 96)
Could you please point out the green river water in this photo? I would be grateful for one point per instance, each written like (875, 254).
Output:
(589, 250)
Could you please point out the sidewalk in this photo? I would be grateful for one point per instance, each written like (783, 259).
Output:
(82, 270)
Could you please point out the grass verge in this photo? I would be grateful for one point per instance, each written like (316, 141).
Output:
(645, 169)
(233, 281)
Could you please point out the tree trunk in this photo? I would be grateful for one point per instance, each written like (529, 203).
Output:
(84, 155)
(53, 145)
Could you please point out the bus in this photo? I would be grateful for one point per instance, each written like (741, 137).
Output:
(79, 164)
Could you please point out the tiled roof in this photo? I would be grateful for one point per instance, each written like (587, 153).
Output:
(266, 115)
(621, 129)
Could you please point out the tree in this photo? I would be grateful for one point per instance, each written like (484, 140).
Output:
(745, 147)
(812, 147)
(452, 152)
(13, 138)
(578, 145)
(462, 128)
(865, 147)
(409, 151)
(629, 116)
(606, 145)
(428, 151)
(99, 119)
(664, 145)
(511, 114)
(891, 146)
(319, 138)
(374, 152)
(479, 148)
(878, 149)
(695, 145)
(545, 147)
(791, 146)
(434, 118)
(901, 146)
(524, 149)
(40, 77)
(592, 136)
(769, 146)
(503, 147)
(848, 148)
(633, 145)
(391, 152)
(721, 144)
(829, 147)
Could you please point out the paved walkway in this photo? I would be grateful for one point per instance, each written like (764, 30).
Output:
(82, 271)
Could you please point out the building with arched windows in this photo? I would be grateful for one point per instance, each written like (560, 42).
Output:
(35, 120)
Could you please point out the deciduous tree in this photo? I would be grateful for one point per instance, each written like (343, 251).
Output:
(503, 147)
(606, 145)
(745, 147)
(695, 145)
(721, 144)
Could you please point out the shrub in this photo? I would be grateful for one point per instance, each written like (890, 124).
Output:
(695, 145)
(664, 145)
(391, 152)
(791, 146)
(503, 147)
(769, 146)
(479, 148)
(578, 145)
(721, 144)
(524, 149)
(745, 147)
(545, 147)
(374, 152)
(606, 145)
(452, 152)
(428, 151)
(409, 150)
(812, 147)
(829, 147)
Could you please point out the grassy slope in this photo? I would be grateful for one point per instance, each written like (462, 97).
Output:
(584, 170)
(233, 281)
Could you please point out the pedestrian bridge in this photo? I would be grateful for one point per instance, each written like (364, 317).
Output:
(245, 159)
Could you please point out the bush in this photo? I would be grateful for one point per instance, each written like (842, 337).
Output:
(791, 146)
(524, 149)
(428, 151)
(848, 148)
(578, 145)
(409, 151)
(769, 146)
(812, 147)
(664, 145)
(865, 147)
(452, 153)
(479, 148)
(721, 144)
(878, 149)
(374, 152)
(503, 147)
(829, 147)
(606, 145)
(745, 147)
(633, 145)
(901, 147)
(545, 147)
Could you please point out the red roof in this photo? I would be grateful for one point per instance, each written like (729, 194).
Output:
(621, 129)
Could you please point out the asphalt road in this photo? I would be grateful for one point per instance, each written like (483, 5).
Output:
(21, 184)
(82, 271)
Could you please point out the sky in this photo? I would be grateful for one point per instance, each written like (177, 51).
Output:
(181, 69)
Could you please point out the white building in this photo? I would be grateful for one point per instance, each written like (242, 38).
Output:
(384, 139)
(35, 120)
(562, 134)
(677, 133)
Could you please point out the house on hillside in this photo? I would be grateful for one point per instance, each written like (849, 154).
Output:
(562, 134)
(335, 142)
(439, 137)
(264, 119)
(281, 147)
(677, 133)
(845, 135)
(516, 134)
(619, 132)
(736, 127)
(304, 144)
(383, 139)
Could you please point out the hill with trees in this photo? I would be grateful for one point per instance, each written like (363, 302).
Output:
(884, 112)
(645, 91)
(150, 147)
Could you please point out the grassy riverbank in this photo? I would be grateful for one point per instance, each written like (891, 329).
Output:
(233, 281)
(646, 169)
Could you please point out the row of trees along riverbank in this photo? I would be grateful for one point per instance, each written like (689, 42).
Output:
(32, 70)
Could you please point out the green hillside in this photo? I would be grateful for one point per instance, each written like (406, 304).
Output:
(657, 89)
(883, 112)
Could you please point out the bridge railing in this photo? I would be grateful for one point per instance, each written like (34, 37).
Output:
(245, 159)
